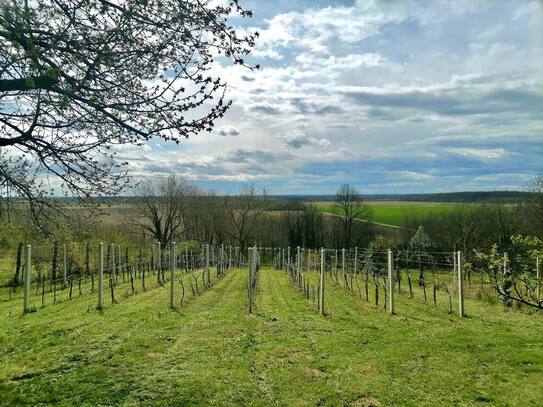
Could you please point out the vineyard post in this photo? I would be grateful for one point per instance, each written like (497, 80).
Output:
(454, 265)
(343, 262)
(460, 285)
(121, 268)
(308, 259)
(26, 304)
(298, 260)
(390, 284)
(159, 259)
(187, 256)
(101, 278)
(288, 256)
(65, 271)
(321, 285)
(207, 262)
(173, 264)
(250, 282)
(356, 260)
(538, 278)
(112, 273)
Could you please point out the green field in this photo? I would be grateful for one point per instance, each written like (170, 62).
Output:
(211, 352)
(396, 214)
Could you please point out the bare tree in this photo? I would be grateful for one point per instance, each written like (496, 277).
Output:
(244, 210)
(161, 207)
(80, 78)
(350, 207)
(534, 207)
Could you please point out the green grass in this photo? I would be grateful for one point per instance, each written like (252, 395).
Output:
(396, 214)
(211, 352)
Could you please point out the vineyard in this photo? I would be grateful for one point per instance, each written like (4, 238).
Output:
(197, 324)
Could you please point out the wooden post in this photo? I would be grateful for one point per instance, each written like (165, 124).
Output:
(390, 284)
(321, 285)
(28, 268)
(101, 278)
(65, 271)
(173, 264)
(460, 285)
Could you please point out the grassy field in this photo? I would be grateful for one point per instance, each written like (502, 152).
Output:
(211, 352)
(396, 213)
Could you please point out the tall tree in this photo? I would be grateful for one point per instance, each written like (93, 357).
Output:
(351, 208)
(245, 210)
(161, 207)
(78, 79)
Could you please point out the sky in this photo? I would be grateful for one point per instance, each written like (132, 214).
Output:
(388, 96)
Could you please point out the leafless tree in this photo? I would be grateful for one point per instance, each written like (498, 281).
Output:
(350, 207)
(244, 210)
(534, 207)
(161, 207)
(80, 78)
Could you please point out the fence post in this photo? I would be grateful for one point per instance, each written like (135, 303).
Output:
(356, 260)
(298, 259)
(460, 284)
(159, 260)
(112, 272)
(454, 266)
(173, 264)
(390, 284)
(538, 279)
(343, 261)
(101, 278)
(321, 285)
(65, 271)
(288, 256)
(28, 268)
(207, 263)
(250, 255)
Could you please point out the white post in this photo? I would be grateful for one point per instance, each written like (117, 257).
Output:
(321, 285)
(250, 282)
(288, 255)
(343, 261)
(207, 262)
(390, 284)
(159, 259)
(119, 257)
(26, 304)
(298, 259)
(460, 285)
(173, 263)
(101, 278)
(65, 272)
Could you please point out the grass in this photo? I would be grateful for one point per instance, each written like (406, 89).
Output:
(396, 214)
(211, 352)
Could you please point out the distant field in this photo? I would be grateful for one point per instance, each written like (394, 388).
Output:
(396, 212)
